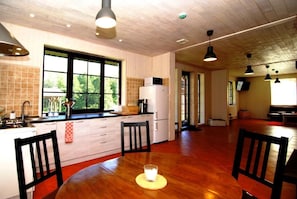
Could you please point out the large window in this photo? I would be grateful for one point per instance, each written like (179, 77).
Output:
(93, 82)
(283, 93)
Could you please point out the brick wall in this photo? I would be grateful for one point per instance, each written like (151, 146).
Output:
(133, 85)
(18, 84)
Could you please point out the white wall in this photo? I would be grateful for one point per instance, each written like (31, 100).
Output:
(219, 83)
(162, 64)
(134, 65)
(35, 40)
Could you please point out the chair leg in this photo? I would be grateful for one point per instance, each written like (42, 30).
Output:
(296, 191)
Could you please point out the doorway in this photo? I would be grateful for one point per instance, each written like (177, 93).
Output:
(185, 100)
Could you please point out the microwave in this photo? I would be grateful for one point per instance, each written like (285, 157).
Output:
(149, 81)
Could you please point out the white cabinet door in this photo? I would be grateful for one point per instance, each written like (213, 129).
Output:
(140, 118)
(105, 137)
(8, 171)
(78, 147)
(45, 127)
(160, 131)
(137, 118)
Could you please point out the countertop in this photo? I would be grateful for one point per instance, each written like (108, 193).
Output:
(78, 117)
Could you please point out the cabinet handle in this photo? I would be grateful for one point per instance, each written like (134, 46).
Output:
(98, 135)
(50, 124)
(80, 121)
(103, 127)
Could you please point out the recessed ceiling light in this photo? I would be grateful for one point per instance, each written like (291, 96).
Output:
(120, 40)
(97, 33)
(182, 15)
(68, 25)
(182, 41)
(32, 15)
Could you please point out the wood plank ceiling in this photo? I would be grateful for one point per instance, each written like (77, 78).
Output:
(265, 28)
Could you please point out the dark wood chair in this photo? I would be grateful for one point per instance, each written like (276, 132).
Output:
(135, 137)
(38, 149)
(290, 173)
(252, 155)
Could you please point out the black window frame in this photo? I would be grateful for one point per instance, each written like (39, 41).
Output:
(69, 84)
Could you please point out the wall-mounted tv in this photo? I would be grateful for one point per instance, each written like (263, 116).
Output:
(242, 85)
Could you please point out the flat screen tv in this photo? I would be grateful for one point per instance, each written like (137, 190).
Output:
(242, 85)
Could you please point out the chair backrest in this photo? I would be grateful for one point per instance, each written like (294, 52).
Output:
(256, 153)
(38, 149)
(135, 137)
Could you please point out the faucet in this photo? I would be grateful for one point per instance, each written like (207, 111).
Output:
(23, 110)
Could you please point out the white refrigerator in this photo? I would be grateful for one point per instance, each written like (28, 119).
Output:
(157, 99)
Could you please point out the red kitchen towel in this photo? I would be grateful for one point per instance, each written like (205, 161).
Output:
(68, 132)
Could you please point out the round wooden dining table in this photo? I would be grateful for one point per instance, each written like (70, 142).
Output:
(186, 177)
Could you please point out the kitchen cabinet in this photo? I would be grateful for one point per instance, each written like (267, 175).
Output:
(108, 135)
(45, 127)
(92, 138)
(8, 171)
(76, 148)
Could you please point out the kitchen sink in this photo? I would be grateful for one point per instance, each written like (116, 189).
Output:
(32, 119)
(7, 124)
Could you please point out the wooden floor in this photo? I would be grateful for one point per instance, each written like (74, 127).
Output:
(211, 144)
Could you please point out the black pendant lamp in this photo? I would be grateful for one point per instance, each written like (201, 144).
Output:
(267, 77)
(9, 46)
(210, 55)
(105, 17)
(249, 70)
(276, 80)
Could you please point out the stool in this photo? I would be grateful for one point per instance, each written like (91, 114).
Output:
(244, 114)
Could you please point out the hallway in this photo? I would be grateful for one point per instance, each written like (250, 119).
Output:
(211, 144)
